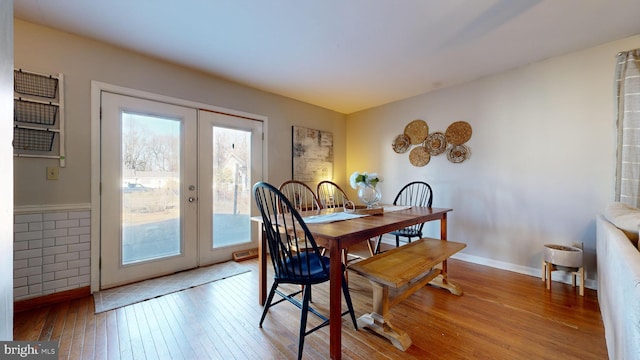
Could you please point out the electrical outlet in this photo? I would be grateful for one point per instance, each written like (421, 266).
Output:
(53, 172)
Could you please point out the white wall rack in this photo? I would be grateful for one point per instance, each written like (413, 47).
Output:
(38, 115)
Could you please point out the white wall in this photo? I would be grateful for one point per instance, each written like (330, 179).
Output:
(82, 60)
(542, 161)
(6, 166)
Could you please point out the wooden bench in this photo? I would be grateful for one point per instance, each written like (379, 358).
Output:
(406, 269)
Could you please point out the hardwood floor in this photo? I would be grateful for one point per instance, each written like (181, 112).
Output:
(501, 315)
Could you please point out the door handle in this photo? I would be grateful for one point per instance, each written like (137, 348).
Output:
(191, 199)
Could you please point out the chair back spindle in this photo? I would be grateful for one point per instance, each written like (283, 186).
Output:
(330, 195)
(300, 195)
(416, 193)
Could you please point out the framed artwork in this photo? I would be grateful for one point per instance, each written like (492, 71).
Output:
(312, 158)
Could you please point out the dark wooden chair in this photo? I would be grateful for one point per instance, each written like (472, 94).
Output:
(304, 268)
(300, 195)
(330, 195)
(302, 198)
(416, 193)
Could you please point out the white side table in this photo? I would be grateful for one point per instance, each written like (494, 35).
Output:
(564, 258)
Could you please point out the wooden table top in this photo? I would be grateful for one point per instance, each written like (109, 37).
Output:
(352, 231)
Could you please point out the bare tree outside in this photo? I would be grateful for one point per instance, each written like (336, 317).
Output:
(231, 186)
(147, 149)
(231, 163)
(151, 187)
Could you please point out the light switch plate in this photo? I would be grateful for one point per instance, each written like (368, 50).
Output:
(53, 172)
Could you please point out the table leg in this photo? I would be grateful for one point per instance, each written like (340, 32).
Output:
(262, 267)
(443, 236)
(442, 280)
(582, 275)
(335, 302)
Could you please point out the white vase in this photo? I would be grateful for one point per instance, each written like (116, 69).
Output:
(369, 194)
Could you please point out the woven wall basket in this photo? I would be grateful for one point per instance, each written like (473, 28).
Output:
(417, 131)
(401, 144)
(419, 156)
(436, 143)
(458, 154)
(458, 133)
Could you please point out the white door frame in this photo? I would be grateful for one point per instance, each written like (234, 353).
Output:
(96, 89)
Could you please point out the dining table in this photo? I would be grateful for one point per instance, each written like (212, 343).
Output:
(335, 232)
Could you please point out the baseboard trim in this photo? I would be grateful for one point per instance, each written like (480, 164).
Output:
(536, 272)
(40, 301)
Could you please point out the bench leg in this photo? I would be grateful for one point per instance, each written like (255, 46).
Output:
(443, 282)
(378, 320)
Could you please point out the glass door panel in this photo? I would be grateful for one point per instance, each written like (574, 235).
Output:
(231, 196)
(150, 211)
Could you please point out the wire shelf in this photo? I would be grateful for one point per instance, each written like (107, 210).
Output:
(32, 140)
(35, 84)
(34, 112)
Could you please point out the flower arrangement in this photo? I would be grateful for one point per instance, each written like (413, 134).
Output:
(363, 178)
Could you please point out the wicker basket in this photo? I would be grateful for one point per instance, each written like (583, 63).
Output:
(458, 133)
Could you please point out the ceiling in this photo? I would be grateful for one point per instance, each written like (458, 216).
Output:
(344, 55)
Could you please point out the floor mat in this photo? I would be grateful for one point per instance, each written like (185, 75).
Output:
(130, 294)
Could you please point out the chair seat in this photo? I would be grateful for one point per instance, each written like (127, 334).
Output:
(307, 263)
(407, 232)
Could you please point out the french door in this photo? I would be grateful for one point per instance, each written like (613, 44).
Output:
(175, 187)
(230, 152)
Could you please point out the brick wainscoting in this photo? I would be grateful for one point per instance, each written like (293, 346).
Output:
(51, 252)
